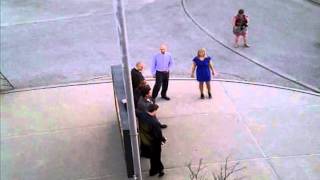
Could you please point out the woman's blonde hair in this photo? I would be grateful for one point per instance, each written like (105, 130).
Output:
(202, 50)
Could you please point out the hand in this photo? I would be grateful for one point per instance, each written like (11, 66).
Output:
(214, 73)
(164, 140)
(192, 75)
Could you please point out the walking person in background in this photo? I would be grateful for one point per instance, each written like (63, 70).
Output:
(160, 69)
(240, 27)
(203, 64)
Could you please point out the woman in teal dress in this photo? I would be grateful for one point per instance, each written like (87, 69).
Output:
(204, 68)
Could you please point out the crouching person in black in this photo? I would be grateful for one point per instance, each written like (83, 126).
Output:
(151, 136)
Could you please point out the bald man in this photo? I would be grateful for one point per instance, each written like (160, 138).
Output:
(136, 75)
(160, 68)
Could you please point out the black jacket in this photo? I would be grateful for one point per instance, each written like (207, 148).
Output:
(136, 77)
(149, 129)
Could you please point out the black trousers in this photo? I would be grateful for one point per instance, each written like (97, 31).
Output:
(145, 150)
(162, 79)
(156, 165)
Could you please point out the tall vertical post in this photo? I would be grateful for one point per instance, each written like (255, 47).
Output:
(122, 37)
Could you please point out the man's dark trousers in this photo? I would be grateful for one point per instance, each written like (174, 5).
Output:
(162, 79)
(156, 165)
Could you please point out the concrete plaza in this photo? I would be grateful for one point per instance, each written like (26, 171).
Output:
(71, 132)
(53, 42)
(60, 121)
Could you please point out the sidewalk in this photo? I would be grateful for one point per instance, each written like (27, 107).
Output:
(71, 132)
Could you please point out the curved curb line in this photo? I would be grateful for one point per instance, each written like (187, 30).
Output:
(56, 86)
(264, 66)
(270, 86)
(152, 79)
(66, 18)
(315, 1)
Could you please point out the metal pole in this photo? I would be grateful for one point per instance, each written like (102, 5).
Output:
(122, 35)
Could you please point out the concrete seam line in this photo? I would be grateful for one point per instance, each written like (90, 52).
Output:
(185, 115)
(52, 131)
(102, 177)
(152, 79)
(270, 85)
(55, 19)
(240, 116)
(295, 156)
(260, 64)
(244, 122)
(281, 107)
(56, 86)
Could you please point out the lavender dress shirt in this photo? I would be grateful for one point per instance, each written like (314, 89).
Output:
(161, 62)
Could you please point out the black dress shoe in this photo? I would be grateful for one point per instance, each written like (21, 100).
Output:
(163, 126)
(166, 98)
(202, 96)
(210, 96)
(161, 174)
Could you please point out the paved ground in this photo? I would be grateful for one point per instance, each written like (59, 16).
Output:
(71, 132)
(46, 43)
(276, 32)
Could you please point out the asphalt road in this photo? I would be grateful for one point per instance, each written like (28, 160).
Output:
(47, 43)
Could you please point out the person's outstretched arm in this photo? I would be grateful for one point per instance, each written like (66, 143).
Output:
(234, 21)
(193, 69)
(214, 73)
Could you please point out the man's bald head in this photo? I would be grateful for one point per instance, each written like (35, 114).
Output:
(139, 66)
(163, 48)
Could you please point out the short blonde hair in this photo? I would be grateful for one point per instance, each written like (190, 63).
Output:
(202, 50)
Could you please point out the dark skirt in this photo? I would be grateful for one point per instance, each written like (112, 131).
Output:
(239, 31)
